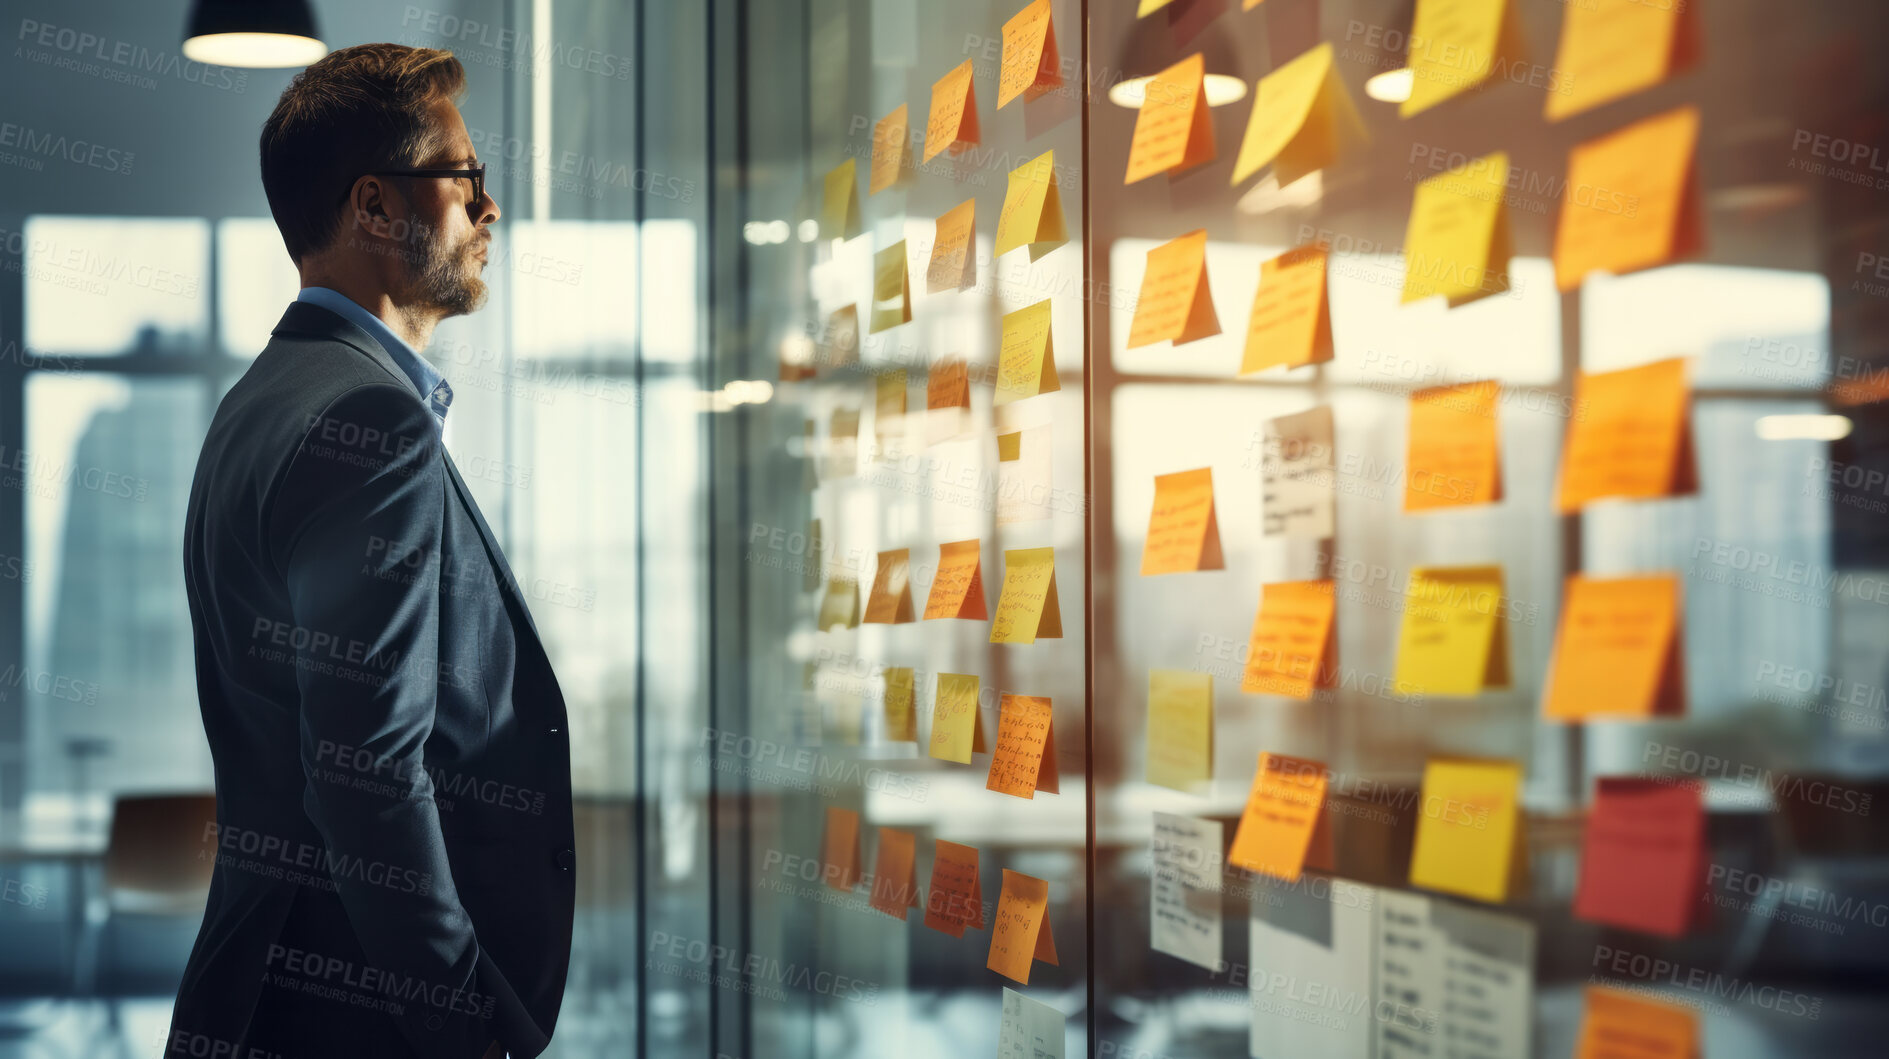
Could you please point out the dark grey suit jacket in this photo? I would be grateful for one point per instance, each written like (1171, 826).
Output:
(394, 849)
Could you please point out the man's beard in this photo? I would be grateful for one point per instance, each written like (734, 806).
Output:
(441, 276)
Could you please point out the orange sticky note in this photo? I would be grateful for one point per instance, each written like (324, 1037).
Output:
(1033, 209)
(1022, 934)
(1630, 436)
(1452, 459)
(840, 607)
(891, 142)
(901, 713)
(1611, 49)
(1469, 834)
(1643, 856)
(839, 212)
(1173, 131)
(953, 112)
(891, 288)
(891, 600)
(1026, 364)
(958, 589)
(1291, 321)
(1174, 301)
(956, 900)
(1457, 244)
(1455, 45)
(1454, 640)
(1031, 65)
(957, 726)
(1292, 639)
(953, 255)
(1183, 534)
(1618, 652)
(839, 850)
(1027, 608)
(1024, 761)
(894, 873)
(1180, 728)
(1632, 201)
(1621, 1025)
(1303, 120)
(1283, 810)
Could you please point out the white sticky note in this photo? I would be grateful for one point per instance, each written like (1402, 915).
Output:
(1184, 914)
(1311, 976)
(1030, 1030)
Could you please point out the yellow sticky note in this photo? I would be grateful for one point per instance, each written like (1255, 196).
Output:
(1469, 834)
(1458, 241)
(1454, 640)
(1027, 608)
(953, 112)
(1291, 639)
(957, 729)
(840, 608)
(1631, 200)
(891, 600)
(1183, 534)
(901, 705)
(839, 210)
(1173, 131)
(888, 403)
(839, 849)
(1611, 49)
(1283, 810)
(1174, 301)
(1021, 934)
(1618, 651)
(1149, 7)
(894, 873)
(1455, 45)
(1620, 1025)
(1291, 321)
(891, 143)
(891, 288)
(958, 589)
(1303, 120)
(1024, 760)
(1180, 728)
(1630, 436)
(1033, 210)
(1453, 456)
(1026, 364)
(1031, 66)
(953, 250)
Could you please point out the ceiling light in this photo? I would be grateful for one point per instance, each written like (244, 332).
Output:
(1803, 428)
(252, 33)
(1391, 86)
(1221, 89)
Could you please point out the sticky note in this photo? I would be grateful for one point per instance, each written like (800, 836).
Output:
(1620, 1025)
(840, 608)
(891, 288)
(1184, 889)
(1173, 131)
(1643, 856)
(1298, 475)
(956, 898)
(957, 730)
(958, 589)
(1021, 934)
(1183, 534)
(1026, 364)
(901, 713)
(894, 873)
(1303, 120)
(1180, 728)
(953, 112)
(1291, 639)
(839, 849)
(1024, 760)
(1291, 320)
(1469, 839)
(1454, 640)
(1149, 7)
(1031, 66)
(1457, 244)
(1455, 45)
(1452, 459)
(1029, 1030)
(1033, 209)
(1297, 939)
(1174, 303)
(891, 145)
(1283, 809)
(953, 263)
(839, 338)
(888, 403)
(1632, 200)
(1024, 493)
(842, 443)
(1618, 652)
(890, 602)
(1611, 49)
(1027, 607)
(1459, 973)
(839, 209)
(1630, 436)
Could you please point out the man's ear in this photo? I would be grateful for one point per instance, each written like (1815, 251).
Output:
(368, 207)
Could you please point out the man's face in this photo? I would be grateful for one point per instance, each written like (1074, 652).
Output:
(452, 234)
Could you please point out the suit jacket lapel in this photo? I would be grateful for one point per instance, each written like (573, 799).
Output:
(508, 582)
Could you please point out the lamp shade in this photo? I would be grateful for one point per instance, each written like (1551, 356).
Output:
(253, 33)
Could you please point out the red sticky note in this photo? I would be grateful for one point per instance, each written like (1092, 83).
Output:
(1643, 858)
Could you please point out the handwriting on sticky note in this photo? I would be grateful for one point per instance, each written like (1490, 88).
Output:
(956, 899)
(1610, 49)
(1024, 759)
(953, 263)
(1027, 608)
(891, 140)
(1454, 638)
(1291, 639)
(1180, 728)
(1630, 201)
(1174, 303)
(1173, 131)
(1184, 889)
(1026, 358)
(1031, 66)
(891, 599)
(953, 112)
(1183, 534)
(956, 730)
(1468, 834)
(1457, 244)
(1291, 320)
(1617, 649)
(1452, 459)
(957, 591)
(1021, 934)
(1298, 475)
(1630, 436)
(1283, 809)
(1033, 209)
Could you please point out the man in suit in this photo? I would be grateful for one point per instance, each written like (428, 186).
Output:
(394, 847)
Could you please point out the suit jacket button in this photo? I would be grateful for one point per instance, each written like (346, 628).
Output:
(567, 859)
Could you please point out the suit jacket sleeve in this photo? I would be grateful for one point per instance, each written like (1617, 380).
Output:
(358, 525)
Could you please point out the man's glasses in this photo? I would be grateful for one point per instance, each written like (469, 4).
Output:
(474, 172)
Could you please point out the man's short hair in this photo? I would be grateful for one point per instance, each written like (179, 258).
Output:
(356, 110)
